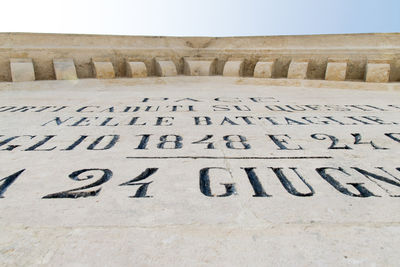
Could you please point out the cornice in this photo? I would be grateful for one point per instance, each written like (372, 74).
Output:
(358, 51)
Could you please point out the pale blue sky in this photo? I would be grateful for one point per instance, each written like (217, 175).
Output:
(201, 18)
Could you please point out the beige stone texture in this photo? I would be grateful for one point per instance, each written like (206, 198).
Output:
(165, 68)
(22, 70)
(103, 69)
(264, 69)
(136, 69)
(377, 72)
(199, 171)
(357, 48)
(64, 69)
(297, 70)
(198, 67)
(233, 68)
(336, 71)
(179, 225)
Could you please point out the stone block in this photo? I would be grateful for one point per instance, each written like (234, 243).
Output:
(22, 70)
(336, 70)
(264, 69)
(377, 72)
(136, 69)
(233, 68)
(297, 70)
(64, 69)
(103, 69)
(198, 67)
(181, 171)
(165, 68)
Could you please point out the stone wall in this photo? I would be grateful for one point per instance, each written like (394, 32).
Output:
(361, 57)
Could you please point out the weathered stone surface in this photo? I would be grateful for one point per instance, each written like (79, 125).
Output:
(264, 69)
(189, 171)
(165, 68)
(336, 70)
(64, 69)
(377, 72)
(136, 69)
(103, 69)
(198, 67)
(22, 70)
(297, 69)
(317, 48)
(233, 68)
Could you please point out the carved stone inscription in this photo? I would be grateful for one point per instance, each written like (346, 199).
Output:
(338, 140)
(191, 170)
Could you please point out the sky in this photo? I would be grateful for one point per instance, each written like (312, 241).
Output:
(201, 17)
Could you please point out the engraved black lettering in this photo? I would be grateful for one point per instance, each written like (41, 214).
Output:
(373, 177)
(76, 143)
(60, 108)
(88, 109)
(377, 120)
(205, 187)
(281, 140)
(6, 141)
(263, 99)
(228, 99)
(363, 192)
(43, 108)
(134, 122)
(110, 144)
(40, 143)
(164, 121)
(177, 142)
(6, 108)
(110, 109)
(106, 121)
(7, 181)
(242, 108)
(359, 120)
(296, 107)
(187, 99)
(57, 121)
(334, 140)
(74, 193)
(255, 182)
(202, 120)
(246, 119)
(290, 121)
(277, 108)
(270, 119)
(229, 121)
(146, 99)
(339, 122)
(23, 109)
(358, 138)
(394, 136)
(231, 143)
(152, 108)
(394, 106)
(136, 109)
(287, 184)
(318, 122)
(313, 107)
(83, 122)
(374, 107)
(143, 141)
(210, 145)
(360, 107)
(141, 192)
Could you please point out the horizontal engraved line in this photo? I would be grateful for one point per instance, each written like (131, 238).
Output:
(209, 157)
